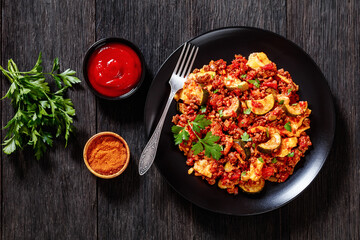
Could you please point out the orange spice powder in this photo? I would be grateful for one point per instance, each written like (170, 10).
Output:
(106, 155)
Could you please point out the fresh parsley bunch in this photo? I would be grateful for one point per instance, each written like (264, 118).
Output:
(212, 149)
(40, 114)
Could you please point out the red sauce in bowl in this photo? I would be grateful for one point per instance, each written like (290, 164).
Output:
(114, 69)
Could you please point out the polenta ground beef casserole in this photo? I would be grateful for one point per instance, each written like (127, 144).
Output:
(241, 124)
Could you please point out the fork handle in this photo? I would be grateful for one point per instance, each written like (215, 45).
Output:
(148, 155)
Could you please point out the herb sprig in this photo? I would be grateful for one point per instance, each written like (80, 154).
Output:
(255, 82)
(212, 149)
(39, 112)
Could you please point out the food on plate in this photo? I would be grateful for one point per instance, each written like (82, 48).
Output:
(106, 154)
(241, 124)
(114, 69)
(41, 113)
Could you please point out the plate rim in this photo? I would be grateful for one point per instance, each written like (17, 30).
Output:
(332, 111)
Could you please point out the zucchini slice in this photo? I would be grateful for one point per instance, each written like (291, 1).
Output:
(253, 187)
(235, 107)
(261, 106)
(257, 60)
(286, 146)
(297, 109)
(233, 83)
(282, 99)
(228, 167)
(272, 145)
(196, 92)
(181, 107)
(285, 79)
(177, 95)
(239, 145)
(201, 73)
(203, 167)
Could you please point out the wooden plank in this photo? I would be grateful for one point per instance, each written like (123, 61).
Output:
(329, 32)
(134, 207)
(270, 15)
(1, 132)
(55, 197)
(137, 207)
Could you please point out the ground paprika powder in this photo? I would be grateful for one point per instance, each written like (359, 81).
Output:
(106, 155)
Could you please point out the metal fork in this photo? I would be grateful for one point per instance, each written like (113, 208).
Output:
(178, 77)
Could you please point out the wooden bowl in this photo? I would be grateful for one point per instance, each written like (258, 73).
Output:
(91, 141)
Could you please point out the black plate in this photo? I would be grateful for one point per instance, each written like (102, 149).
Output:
(224, 43)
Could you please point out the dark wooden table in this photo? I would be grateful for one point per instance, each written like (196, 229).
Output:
(58, 198)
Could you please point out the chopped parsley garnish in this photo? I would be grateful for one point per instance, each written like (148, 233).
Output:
(294, 104)
(261, 159)
(287, 126)
(289, 91)
(243, 76)
(245, 137)
(267, 132)
(243, 173)
(221, 113)
(203, 109)
(212, 149)
(281, 102)
(274, 160)
(255, 82)
(216, 90)
(291, 154)
(247, 111)
(253, 145)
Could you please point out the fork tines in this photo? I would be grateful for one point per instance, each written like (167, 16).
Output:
(186, 58)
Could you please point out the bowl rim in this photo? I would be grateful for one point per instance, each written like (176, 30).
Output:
(103, 42)
(97, 136)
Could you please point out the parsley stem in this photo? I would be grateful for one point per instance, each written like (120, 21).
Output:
(194, 131)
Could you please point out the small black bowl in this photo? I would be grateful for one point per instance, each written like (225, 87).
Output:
(100, 44)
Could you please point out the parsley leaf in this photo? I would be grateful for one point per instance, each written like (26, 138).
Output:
(281, 102)
(216, 90)
(211, 148)
(245, 137)
(289, 91)
(255, 82)
(180, 134)
(291, 154)
(274, 160)
(261, 159)
(247, 111)
(197, 148)
(267, 132)
(200, 122)
(243, 173)
(203, 109)
(40, 112)
(243, 76)
(287, 126)
(221, 113)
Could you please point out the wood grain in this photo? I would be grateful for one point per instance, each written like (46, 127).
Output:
(161, 213)
(56, 197)
(329, 32)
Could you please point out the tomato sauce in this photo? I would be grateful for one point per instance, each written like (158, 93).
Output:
(114, 69)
